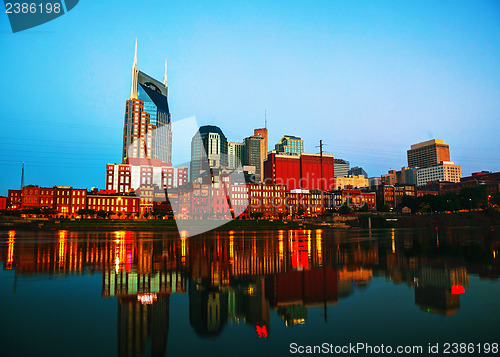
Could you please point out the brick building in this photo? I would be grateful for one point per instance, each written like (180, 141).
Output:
(303, 171)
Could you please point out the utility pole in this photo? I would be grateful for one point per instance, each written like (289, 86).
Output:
(322, 187)
(265, 118)
(22, 177)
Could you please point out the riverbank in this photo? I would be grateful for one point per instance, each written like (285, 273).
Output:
(374, 220)
(137, 225)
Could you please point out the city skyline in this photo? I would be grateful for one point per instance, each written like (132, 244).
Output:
(367, 77)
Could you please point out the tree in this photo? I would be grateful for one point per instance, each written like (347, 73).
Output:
(474, 197)
(384, 208)
(495, 199)
(345, 209)
(364, 208)
(102, 214)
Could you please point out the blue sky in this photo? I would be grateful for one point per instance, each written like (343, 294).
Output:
(368, 78)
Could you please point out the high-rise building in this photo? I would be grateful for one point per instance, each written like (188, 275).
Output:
(428, 153)
(341, 167)
(263, 145)
(147, 139)
(147, 131)
(253, 150)
(290, 145)
(235, 154)
(208, 151)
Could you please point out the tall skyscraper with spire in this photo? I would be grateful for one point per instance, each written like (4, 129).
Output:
(147, 131)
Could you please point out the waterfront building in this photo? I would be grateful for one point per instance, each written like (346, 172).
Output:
(209, 150)
(341, 167)
(446, 171)
(14, 198)
(428, 153)
(290, 145)
(490, 180)
(136, 173)
(121, 205)
(355, 198)
(305, 171)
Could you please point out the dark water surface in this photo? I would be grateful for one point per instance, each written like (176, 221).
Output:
(247, 293)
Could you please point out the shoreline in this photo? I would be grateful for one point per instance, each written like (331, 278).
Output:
(376, 220)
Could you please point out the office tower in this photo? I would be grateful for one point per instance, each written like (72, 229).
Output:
(147, 139)
(253, 145)
(235, 152)
(428, 153)
(341, 167)
(208, 151)
(147, 131)
(355, 171)
(290, 145)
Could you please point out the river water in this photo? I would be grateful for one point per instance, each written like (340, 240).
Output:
(264, 293)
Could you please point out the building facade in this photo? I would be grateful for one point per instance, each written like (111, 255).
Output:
(357, 181)
(305, 171)
(136, 173)
(446, 171)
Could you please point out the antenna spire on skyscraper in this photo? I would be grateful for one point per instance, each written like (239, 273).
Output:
(165, 75)
(135, 72)
(135, 53)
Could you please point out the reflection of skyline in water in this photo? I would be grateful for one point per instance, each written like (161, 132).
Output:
(235, 278)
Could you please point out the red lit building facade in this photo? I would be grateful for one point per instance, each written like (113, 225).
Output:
(121, 205)
(300, 172)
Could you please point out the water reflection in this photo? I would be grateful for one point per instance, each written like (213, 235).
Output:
(241, 278)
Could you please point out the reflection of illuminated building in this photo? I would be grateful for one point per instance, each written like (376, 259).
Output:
(307, 287)
(237, 277)
(247, 302)
(143, 327)
(438, 290)
(208, 310)
(294, 314)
